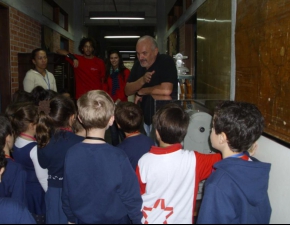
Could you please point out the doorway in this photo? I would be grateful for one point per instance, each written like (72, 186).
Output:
(5, 81)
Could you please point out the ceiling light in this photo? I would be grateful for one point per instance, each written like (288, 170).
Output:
(122, 37)
(117, 15)
(128, 51)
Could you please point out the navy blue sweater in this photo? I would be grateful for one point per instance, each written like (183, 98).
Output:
(14, 182)
(12, 212)
(236, 193)
(135, 147)
(100, 185)
(52, 156)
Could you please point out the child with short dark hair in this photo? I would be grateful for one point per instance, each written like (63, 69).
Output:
(236, 192)
(55, 136)
(169, 175)
(129, 118)
(100, 185)
(14, 178)
(11, 211)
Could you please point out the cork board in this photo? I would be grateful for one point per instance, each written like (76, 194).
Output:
(263, 61)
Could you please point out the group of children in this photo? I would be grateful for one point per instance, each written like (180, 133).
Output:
(70, 176)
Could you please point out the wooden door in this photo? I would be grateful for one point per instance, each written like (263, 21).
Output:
(5, 81)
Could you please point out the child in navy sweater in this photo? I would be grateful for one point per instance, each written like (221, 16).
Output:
(54, 136)
(11, 211)
(13, 180)
(100, 185)
(129, 118)
(24, 120)
(236, 192)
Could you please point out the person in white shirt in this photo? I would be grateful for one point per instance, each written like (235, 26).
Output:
(39, 76)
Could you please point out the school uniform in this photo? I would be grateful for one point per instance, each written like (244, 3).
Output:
(34, 192)
(237, 193)
(100, 186)
(13, 184)
(12, 212)
(135, 147)
(52, 157)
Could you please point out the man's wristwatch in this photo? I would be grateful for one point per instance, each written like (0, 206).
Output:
(71, 56)
(138, 94)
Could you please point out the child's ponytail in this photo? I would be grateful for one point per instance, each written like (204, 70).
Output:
(44, 125)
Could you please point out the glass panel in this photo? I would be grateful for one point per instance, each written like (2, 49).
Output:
(47, 10)
(213, 75)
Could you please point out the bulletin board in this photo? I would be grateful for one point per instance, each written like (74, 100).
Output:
(262, 39)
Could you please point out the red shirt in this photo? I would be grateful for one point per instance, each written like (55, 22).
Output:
(120, 93)
(89, 75)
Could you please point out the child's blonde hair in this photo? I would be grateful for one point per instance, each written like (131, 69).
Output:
(95, 109)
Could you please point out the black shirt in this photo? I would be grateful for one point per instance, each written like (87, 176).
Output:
(165, 72)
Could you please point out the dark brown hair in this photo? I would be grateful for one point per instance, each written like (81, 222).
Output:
(5, 130)
(61, 109)
(121, 65)
(129, 116)
(21, 115)
(242, 122)
(171, 122)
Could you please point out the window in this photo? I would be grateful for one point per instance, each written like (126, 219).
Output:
(55, 13)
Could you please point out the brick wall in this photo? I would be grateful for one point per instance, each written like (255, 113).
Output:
(71, 47)
(56, 41)
(25, 35)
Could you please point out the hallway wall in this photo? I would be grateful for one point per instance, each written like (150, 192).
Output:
(25, 35)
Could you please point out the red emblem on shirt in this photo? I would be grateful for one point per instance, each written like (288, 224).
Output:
(159, 207)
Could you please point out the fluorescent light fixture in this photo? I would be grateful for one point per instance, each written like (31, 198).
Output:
(117, 15)
(121, 37)
(128, 51)
(200, 37)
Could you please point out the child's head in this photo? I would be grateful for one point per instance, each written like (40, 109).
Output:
(6, 134)
(54, 115)
(24, 117)
(171, 122)
(128, 116)
(21, 96)
(242, 123)
(39, 94)
(96, 109)
(3, 163)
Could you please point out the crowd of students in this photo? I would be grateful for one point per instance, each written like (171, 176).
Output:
(56, 166)
(60, 176)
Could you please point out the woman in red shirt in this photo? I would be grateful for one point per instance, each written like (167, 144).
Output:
(115, 80)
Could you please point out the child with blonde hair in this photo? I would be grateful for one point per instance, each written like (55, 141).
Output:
(100, 185)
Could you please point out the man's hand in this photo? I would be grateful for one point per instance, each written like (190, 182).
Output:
(76, 63)
(147, 76)
(137, 99)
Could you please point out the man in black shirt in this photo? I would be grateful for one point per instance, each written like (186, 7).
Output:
(152, 74)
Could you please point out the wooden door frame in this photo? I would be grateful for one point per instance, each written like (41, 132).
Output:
(5, 76)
